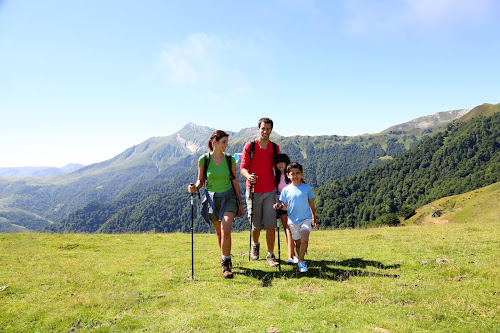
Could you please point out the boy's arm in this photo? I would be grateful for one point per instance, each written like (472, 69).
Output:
(313, 212)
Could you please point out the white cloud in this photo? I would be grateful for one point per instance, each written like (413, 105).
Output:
(212, 64)
(436, 12)
(421, 15)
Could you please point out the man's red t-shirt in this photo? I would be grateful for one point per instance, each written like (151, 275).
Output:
(262, 165)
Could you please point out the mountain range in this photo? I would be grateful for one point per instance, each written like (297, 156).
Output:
(163, 165)
(43, 171)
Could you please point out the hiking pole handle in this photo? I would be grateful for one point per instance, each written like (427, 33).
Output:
(252, 185)
(192, 194)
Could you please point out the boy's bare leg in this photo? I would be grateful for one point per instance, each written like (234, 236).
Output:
(304, 242)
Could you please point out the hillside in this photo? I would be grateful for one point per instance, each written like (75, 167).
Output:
(418, 278)
(167, 211)
(485, 110)
(463, 157)
(482, 203)
(149, 166)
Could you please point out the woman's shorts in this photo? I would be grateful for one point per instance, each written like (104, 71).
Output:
(296, 229)
(231, 207)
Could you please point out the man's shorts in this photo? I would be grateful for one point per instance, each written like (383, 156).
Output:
(264, 215)
(297, 229)
(231, 206)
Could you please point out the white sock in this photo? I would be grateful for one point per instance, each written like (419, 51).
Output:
(224, 257)
(256, 243)
(268, 253)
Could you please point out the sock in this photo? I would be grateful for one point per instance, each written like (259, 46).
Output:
(268, 253)
(224, 257)
(256, 243)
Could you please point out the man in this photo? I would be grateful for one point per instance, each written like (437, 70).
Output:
(257, 166)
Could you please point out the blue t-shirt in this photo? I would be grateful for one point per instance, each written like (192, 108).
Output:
(297, 199)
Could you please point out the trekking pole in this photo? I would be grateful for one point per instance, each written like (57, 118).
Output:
(251, 221)
(279, 247)
(192, 232)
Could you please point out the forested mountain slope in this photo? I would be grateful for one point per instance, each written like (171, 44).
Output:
(463, 157)
(162, 166)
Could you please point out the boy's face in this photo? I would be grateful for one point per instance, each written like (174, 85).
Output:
(295, 175)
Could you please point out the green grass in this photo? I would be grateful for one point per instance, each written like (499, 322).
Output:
(359, 281)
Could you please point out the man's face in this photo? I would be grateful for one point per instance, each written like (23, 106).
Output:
(265, 131)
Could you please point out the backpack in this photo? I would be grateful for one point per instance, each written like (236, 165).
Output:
(252, 150)
(229, 165)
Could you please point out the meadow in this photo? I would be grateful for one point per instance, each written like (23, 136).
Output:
(424, 277)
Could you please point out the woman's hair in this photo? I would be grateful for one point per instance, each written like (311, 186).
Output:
(217, 135)
(277, 173)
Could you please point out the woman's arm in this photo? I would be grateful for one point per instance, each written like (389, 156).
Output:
(237, 190)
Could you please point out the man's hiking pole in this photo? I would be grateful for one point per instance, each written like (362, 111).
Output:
(251, 221)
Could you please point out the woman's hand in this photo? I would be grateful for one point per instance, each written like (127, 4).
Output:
(192, 188)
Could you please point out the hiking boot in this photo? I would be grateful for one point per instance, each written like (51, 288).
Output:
(271, 259)
(227, 265)
(255, 251)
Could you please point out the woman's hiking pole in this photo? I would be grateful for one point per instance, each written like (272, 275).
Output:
(192, 232)
(192, 235)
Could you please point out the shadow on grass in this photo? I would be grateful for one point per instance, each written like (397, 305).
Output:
(321, 269)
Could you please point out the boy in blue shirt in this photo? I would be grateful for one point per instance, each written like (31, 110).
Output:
(298, 199)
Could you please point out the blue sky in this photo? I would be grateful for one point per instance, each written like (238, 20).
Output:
(81, 81)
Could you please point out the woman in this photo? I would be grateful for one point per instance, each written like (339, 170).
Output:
(222, 193)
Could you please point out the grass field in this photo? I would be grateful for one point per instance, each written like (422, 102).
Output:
(427, 277)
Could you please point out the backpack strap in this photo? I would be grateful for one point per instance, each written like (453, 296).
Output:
(230, 165)
(252, 149)
(205, 167)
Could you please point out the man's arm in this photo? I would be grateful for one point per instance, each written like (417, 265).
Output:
(245, 165)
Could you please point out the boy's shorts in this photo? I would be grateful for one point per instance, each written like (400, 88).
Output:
(264, 215)
(231, 206)
(297, 229)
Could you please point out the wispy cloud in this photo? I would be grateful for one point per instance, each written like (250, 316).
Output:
(368, 16)
(211, 63)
